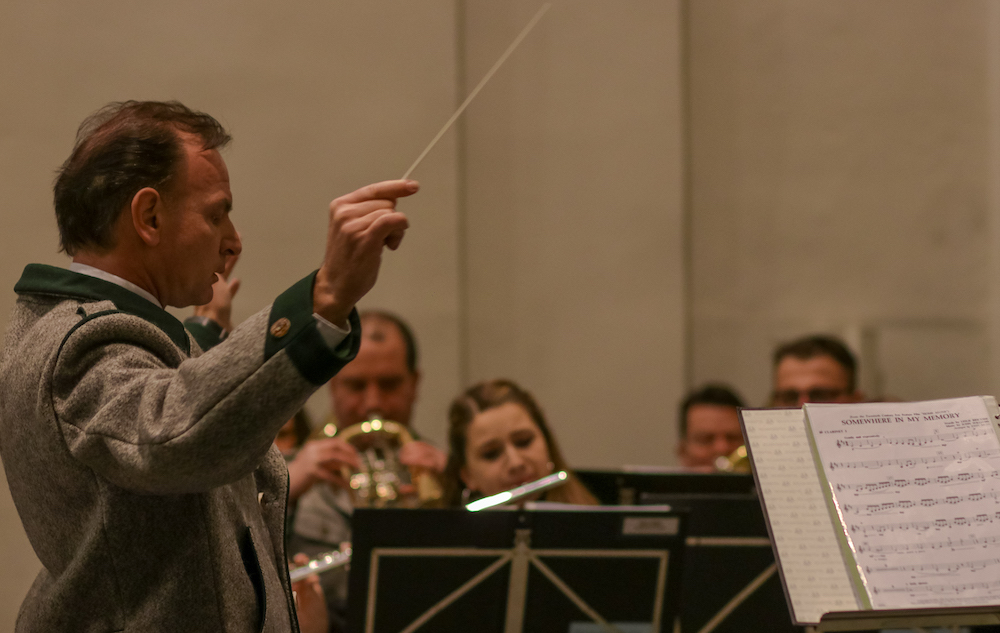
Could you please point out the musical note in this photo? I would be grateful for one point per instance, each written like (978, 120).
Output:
(961, 543)
(911, 462)
(943, 480)
(903, 504)
(935, 589)
(923, 526)
(937, 568)
(936, 439)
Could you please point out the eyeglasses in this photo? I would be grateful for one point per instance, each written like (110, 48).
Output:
(791, 397)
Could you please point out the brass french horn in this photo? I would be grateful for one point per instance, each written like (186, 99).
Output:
(382, 481)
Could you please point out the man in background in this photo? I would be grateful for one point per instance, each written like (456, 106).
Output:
(382, 380)
(709, 426)
(815, 368)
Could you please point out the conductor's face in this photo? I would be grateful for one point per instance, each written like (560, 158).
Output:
(197, 234)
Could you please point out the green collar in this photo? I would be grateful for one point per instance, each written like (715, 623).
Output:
(39, 279)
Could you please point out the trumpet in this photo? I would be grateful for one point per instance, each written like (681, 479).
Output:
(735, 462)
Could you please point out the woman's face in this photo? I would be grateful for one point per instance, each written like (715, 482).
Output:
(504, 448)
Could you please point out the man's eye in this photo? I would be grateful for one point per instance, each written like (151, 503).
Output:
(389, 385)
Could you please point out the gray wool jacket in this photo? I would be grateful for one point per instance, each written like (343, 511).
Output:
(142, 467)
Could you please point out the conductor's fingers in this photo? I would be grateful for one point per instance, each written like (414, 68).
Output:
(385, 190)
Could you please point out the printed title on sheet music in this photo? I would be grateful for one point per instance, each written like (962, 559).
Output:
(901, 418)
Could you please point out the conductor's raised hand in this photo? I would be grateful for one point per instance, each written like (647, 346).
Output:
(361, 224)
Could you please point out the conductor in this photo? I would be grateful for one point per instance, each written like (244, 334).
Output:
(140, 457)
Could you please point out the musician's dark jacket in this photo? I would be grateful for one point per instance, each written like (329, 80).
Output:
(142, 468)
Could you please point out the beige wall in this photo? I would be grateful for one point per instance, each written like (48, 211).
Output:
(840, 181)
(573, 207)
(648, 195)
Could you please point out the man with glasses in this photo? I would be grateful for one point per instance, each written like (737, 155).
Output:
(816, 368)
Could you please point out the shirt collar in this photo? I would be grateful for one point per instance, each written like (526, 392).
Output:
(39, 279)
(84, 269)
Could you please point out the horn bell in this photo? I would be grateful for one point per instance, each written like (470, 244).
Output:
(382, 481)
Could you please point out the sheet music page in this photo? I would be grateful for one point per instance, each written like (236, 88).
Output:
(917, 489)
(812, 566)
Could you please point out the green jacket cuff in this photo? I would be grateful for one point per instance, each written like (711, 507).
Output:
(291, 327)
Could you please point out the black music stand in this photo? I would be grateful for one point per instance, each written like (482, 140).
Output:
(730, 582)
(509, 570)
(628, 487)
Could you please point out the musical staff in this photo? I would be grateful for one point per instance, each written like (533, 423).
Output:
(937, 568)
(937, 439)
(958, 588)
(942, 480)
(911, 462)
(904, 504)
(923, 526)
(952, 544)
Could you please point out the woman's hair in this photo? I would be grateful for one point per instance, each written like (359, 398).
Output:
(489, 395)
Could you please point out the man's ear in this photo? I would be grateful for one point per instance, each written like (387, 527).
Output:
(147, 215)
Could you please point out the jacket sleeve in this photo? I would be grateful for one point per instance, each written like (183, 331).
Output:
(134, 409)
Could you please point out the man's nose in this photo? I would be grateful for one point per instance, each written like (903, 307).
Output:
(232, 244)
(723, 447)
(373, 399)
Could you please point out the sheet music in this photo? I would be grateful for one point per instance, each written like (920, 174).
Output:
(812, 566)
(917, 489)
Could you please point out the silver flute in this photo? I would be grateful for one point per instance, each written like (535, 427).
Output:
(339, 558)
(324, 562)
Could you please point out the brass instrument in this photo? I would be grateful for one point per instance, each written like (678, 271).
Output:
(382, 481)
(735, 462)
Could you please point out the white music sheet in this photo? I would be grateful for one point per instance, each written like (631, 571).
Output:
(917, 489)
(812, 567)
